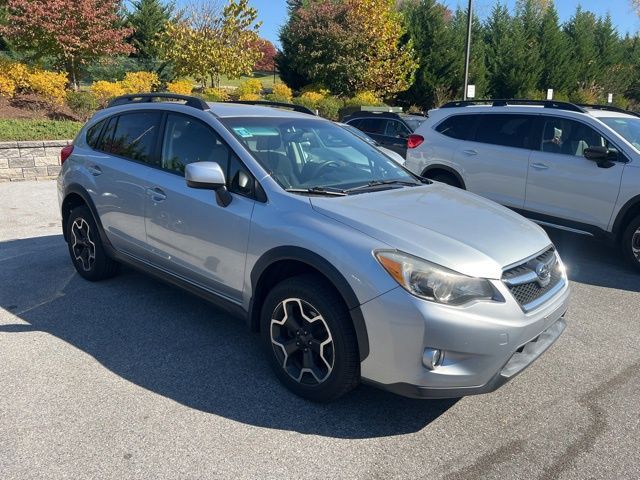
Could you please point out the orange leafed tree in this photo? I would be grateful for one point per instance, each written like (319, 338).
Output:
(72, 31)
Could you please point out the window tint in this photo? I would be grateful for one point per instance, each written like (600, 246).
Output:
(372, 125)
(396, 129)
(506, 130)
(135, 136)
(568, 137)
(94, 133)
(107, 136)
(457, 126)
(187, 140)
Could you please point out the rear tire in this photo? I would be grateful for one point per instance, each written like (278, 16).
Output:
(309, 338)
(85, 246)
(447, 178)
(631, 242)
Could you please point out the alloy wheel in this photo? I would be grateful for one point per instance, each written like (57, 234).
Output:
(635, 244)
(302, 341)
(83, 247)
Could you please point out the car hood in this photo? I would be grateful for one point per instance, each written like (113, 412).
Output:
(441, 224)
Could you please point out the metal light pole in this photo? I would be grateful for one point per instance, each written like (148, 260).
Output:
(468, 53)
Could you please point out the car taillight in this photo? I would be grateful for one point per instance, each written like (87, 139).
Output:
(65, 152)
(414, 140)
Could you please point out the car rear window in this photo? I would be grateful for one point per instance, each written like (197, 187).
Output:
(457, 126)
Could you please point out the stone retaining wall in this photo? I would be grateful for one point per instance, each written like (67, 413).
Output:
(34, 160)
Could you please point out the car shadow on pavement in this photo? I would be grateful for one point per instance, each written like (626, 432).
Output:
(176, 345)
(594, 262)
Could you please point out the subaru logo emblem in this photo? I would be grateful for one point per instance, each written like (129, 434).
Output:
(543, 273)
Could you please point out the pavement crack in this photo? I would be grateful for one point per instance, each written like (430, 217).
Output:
(485, 463)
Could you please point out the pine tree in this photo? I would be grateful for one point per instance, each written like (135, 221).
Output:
(581, 31)
(477, 63)
(148, 18)
(555, 54)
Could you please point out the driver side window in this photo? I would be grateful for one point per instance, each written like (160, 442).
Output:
(569, 137)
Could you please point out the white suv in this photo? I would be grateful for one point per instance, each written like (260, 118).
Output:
(573, 167)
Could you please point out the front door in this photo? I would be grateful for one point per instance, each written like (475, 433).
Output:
(188, 233)
(563, 183)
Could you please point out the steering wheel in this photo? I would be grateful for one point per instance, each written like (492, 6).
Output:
(325, 165)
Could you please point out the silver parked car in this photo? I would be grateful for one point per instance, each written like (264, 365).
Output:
(351, 267)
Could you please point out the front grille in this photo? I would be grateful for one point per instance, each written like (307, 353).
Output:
(530, 289)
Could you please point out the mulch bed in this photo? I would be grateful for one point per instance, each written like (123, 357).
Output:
(33, 107)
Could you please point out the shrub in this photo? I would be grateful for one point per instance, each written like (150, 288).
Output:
(50, 85)
(215, 95)
(249, 96)
(305, 102)
(7, 86)
(312, 97)
(104, 91)
(250, 86)
(16, 72)
(181, 87)
(140, 82)
(280, 90)
(317, 88)
(329, 107)
(83, 104)
(362, 99)
(272, 97)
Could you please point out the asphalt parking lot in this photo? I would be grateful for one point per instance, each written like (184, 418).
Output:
(131, 378)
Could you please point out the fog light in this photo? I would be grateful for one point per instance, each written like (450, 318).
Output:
(432, 358)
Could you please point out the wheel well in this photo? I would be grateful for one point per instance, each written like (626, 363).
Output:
(631, 213)
(71, 201)
(274, 274)
(440, 170)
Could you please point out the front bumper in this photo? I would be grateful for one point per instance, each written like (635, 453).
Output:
(485, 344)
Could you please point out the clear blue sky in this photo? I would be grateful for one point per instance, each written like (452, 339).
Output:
(273, 13)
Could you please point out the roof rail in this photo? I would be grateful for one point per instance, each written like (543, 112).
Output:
(516, 101)
(189, 100)
(373, 113)
(266, 103)
(608, 108)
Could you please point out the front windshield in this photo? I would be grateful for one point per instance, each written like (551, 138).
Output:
(626, 127)
(313, 154)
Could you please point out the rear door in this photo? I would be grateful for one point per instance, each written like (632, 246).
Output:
(495, 160)
(562, 183)
(189, 234)
(123, 155)
(396, 134)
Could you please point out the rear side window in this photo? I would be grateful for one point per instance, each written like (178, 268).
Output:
(457, 126)
(396, 129)
(135, 136)
(93, 134)
(187, 140)
(372, 125)
(107, 137)
(506, 130)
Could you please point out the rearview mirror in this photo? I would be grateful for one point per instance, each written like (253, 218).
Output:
(208, 176)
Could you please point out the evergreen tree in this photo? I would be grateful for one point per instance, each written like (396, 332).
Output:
(555, 54)
(148, 19)
(581, 30)
(477, 63)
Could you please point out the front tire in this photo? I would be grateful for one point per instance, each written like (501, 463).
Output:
(85, 246)
(447, 178)
(310, 339)
(631, 242)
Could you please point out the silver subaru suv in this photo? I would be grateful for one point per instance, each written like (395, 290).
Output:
(351, 267)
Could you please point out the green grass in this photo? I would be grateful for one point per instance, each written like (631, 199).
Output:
(22, 129)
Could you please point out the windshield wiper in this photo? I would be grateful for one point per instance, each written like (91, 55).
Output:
(318, 191)
(378, 183)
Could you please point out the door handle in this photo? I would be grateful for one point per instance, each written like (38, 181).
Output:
(156, 194)
(540, 166)
(470, 152)
(94, 170)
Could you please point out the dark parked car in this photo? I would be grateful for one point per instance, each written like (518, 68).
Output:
(389, 129)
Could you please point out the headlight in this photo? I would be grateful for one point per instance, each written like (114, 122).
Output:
(433, 282)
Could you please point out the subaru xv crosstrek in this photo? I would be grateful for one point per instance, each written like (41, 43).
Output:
(566, 166)
(351, 267)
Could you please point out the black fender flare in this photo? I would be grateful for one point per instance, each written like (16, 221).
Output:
(447, 169)
(77, 189)
(322, 265)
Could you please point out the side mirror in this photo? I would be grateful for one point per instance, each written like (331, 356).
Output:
(600, 155)
(208, 176)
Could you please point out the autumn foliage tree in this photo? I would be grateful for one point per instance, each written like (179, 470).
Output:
(346, 45)
(268, 51)
(71, 31)
(206, 42)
